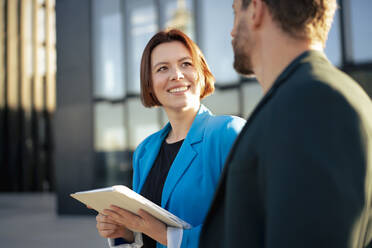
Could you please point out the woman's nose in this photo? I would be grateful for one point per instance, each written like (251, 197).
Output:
(177, 74)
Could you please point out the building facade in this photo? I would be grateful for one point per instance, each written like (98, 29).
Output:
(99, 119)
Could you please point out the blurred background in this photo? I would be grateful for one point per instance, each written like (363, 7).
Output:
(70, 113)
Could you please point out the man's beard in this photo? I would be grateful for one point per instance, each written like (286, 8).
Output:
(242, 57)
(242, 63)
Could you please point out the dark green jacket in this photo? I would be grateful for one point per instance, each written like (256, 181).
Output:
(299, 174)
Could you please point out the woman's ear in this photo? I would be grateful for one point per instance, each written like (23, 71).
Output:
(201, 80)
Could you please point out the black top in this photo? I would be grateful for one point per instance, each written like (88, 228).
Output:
(153, 186)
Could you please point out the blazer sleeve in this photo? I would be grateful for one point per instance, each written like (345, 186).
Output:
(314, 171)
(223, 132)
(229, 133)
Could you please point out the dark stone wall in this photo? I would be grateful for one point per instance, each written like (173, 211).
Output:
(73, 122)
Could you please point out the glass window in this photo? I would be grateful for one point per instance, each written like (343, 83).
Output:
(41, 14)
(112, 162)
(252, 94)
(41, 24)
(41, 60)
(143, 25)
(142, 122)
(108, 62)
(361, 30)
(229, 104)
(179, 15)
(28, 39)
(364, 78)
(216, 24)
(109, 127)
(333, 45)
(2, 65)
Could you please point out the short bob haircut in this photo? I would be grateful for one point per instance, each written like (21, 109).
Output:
(148, 97)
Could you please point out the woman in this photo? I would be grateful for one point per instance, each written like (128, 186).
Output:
(179, 166)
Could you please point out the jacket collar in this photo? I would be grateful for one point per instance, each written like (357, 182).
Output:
(184, 157)
(305, 57)
(195, 133)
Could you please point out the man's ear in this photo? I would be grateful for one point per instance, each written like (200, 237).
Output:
(257, 12)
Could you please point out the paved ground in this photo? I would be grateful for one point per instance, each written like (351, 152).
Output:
(30, 221)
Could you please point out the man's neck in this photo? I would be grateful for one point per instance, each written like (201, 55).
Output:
(275, 55)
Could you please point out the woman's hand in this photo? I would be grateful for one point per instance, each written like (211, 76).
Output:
(108, 228)
(142, 222)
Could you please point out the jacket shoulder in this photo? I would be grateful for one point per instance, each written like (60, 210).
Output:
(148, 140)
(225, 122)
(224, 126)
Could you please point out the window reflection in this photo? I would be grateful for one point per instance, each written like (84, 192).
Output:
(108, 50)
(142, 122)
(109, 129)
(333, 45)
(113, 160)
(179, 15)
(364, 78)
(143, 27)
(216, 25)
(361, 30)
(41, 22)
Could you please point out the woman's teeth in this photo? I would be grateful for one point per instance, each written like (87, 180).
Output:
(178, 89)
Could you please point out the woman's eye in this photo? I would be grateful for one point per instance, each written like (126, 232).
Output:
(186, 64)
(163, 68)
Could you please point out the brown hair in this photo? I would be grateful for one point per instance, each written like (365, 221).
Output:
(302, 19)
(148, 97)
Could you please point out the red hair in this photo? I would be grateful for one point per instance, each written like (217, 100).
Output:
(148, 97)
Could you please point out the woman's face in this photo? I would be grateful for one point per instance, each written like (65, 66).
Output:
(174, 77)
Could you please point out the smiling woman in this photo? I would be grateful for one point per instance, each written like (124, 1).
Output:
(190, 51)
(174, 78)
(179, 166)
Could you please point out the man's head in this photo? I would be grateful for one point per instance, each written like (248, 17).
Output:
(242, 40)
(302, 19)
(308, 20)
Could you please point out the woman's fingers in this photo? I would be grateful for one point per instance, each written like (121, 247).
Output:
(119, 212)
(103, 218)
(107, 219)
(141, 222)
(154, 227)
(146, 216)
(106, 233)
(106, 226)
(109, 228)
(124, 217)
(105, 223)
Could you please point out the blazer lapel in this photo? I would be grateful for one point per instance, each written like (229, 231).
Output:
(150, 154)
(182, 161)
(185, 155)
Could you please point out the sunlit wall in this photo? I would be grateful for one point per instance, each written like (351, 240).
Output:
(27, 94)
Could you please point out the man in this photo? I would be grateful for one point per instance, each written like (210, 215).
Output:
(299, 174)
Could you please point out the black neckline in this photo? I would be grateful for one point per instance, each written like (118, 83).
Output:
(174, 143)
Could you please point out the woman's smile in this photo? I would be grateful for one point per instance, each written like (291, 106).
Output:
(179, 89)
(174, 77)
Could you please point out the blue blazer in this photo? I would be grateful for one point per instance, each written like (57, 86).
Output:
(195, 172)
